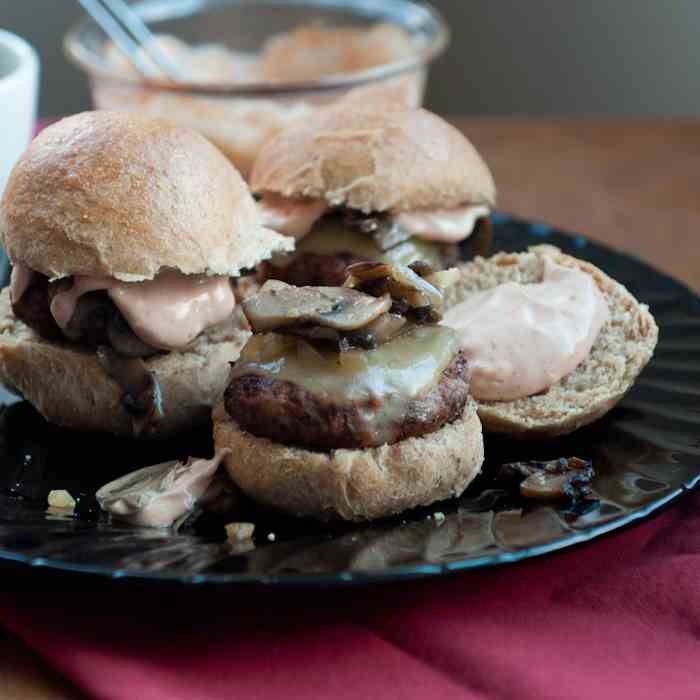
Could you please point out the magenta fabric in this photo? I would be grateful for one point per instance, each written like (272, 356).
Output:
(619, 618)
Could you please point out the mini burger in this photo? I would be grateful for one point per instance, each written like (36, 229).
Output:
(380, 183)
(124, 234)
(351, 402)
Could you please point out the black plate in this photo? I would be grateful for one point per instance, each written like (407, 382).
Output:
(646, 453)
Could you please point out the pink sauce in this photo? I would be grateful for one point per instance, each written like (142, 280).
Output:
(159, 495)
(20, 280)
(521, 339)
(168, 312)
(444, 225)
(291, 217)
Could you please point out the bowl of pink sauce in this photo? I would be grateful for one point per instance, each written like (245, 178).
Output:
(247, 68)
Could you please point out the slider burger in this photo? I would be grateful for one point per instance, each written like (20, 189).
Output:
(350, 402)
(124, 234)
(371, 183)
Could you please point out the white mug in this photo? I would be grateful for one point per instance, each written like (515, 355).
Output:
(19, 82)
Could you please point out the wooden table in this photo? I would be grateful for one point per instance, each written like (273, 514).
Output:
(633, 185)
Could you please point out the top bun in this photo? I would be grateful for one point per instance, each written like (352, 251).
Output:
(385, 157)
(106, 193)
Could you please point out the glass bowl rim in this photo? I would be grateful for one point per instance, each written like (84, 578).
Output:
(84, 58)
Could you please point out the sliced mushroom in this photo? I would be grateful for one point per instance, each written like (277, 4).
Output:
(398, 280)
(280, 305)
(545, 486)
(374, 334)
(565, 478)
(160, 495)
(142, 396)
(318, 333)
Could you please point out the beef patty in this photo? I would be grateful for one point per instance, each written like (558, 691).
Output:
(96, 321)
(34, 309)
(286, 413)
(312, 269)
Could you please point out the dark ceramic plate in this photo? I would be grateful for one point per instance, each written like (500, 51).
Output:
(646, 453)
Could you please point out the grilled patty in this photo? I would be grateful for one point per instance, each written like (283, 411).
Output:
(96, 321)
(33, 308)
(289, 414)
(312, 269)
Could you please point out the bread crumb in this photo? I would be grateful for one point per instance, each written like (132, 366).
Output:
(237, 532)
(60, 498)
(439, 518)
(271, 537)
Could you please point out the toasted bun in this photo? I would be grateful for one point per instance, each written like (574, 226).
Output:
(374, 158)
(69, 388)
(105, 193)
(624, 346)
(354, 484)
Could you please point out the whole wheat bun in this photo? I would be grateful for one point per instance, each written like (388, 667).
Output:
(68, 387)
(106, 193)
(384, 157)
(356, 485)
(623, 347)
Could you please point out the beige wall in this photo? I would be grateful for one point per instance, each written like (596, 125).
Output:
(507, 56)
(571, 57)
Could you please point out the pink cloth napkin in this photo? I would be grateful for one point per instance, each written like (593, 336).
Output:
(619, 618)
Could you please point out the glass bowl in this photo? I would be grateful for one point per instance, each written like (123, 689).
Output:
(240, 116)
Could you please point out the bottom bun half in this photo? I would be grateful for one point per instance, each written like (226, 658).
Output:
(624, 346)
(359, 484)
(69, 388)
